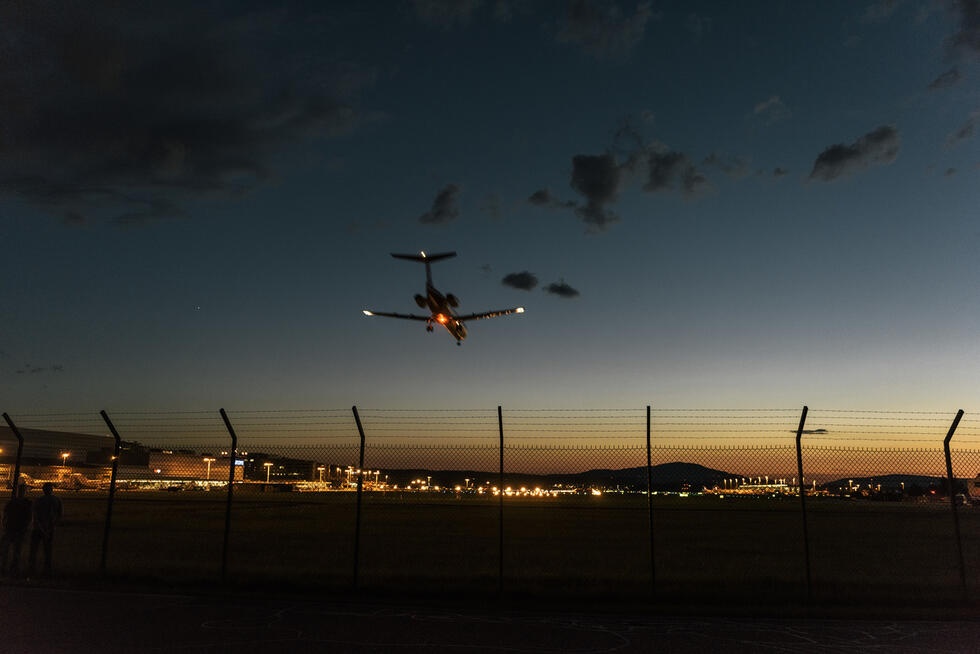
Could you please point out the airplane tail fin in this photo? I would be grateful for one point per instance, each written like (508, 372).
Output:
(422, 257)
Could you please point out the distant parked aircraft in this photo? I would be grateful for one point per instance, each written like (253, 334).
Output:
(440, 306)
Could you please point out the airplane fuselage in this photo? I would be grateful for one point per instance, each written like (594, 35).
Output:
(442, 313)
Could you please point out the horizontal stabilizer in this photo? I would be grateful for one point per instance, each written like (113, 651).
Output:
(422, 257)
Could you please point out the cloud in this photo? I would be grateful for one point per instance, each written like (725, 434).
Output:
(966, 40)
(33, 370)
(119, 110)
(561, 289)
(965, 132)
(544, 198)
(446, 14)
(524, 281)
(491, 205)
(878, 147)
(598, 178)
(778, 172)
(881, 10)
(602, 28)
(946, 80)
(445, 207)
(950, 172)
(735, 167)
(697, 25)
(666, 168)
(771, 110)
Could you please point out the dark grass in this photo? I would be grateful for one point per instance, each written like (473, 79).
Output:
(742, 549)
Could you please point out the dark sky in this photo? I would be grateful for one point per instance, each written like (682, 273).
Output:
(699, 204)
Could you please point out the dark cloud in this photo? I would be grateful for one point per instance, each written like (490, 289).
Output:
(698, 25)
(772, 110)
(598, 178)
(734, 167)
(445, 208)
(881, 10)
(667, 168)
(966, 40)
(950, 172)
(561, 289)
(108, 107)
(946, 80)
(34, 370)
(779, 172)
(544, 198)
(446, 14)
(602, 28)
(486, 268)
(491, 206)
(965, 132)
(524, 281)
(878, 147)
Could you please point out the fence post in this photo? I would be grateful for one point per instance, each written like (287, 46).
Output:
(360, 485)
(500, 518)
(112, 491)
(653, 568)
(20, 451)
(232, 453)
(802, 487)
(952, 497)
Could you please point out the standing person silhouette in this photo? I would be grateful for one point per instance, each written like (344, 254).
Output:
(47, 513)
(16, 519)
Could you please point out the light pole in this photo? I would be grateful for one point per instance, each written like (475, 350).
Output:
(320, 470)
(64, 461)
(208, 460)
(268, 468)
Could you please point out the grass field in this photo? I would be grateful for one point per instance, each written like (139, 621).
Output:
(736, 548)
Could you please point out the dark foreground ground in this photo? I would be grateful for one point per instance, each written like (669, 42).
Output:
(53, 619)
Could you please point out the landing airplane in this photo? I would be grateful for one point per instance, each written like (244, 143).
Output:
(440, 306)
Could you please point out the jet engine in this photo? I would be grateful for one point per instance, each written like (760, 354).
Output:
(452, 300)
(420, 300)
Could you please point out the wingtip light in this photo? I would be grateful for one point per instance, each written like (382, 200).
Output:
(520, 310)
(368, 313)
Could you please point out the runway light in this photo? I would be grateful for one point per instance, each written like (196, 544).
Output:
(519, 310)
(368, 313)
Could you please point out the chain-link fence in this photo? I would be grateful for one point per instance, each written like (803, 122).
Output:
(732, 503)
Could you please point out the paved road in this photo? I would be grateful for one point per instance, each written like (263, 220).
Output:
(53, 620)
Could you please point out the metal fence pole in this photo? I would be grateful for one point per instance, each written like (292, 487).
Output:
(500, 518)
(799, 469)
(653, 567)
(952, 497)
(232, 453)
(112, 491)
(360, 486)
(20, 451)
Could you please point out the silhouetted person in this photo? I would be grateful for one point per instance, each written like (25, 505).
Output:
(16, 519)
(47, 513)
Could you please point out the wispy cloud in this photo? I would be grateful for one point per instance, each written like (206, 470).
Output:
(965, 132)
(445, 207)
(946, 80)
(602, 28)
(878, 147)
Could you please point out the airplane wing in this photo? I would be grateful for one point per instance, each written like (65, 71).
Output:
(405, 316)
(490, 314)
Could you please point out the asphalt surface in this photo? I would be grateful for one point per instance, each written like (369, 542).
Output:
(47, 619)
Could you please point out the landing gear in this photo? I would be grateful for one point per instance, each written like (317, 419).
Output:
(428, 328)
(458, 343)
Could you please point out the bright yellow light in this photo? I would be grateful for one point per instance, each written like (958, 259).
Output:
(596, 491)
(423, 254)
(441, 318)
(519, 310)
(368, 313)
